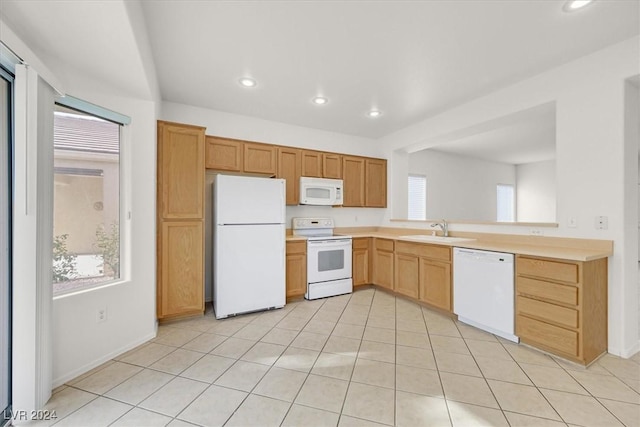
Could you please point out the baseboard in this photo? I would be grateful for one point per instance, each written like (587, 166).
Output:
(631, 351)
(57, 382)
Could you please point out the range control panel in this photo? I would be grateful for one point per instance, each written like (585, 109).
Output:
(311, 223)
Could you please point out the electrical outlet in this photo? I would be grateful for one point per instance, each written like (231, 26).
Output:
(536, 232)
(572, 222)
(101, 315)
(602, 223)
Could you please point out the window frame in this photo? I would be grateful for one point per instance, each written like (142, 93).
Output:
(512, 212)
(124, 191)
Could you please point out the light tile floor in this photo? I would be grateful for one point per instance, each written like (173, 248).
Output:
(365, 359)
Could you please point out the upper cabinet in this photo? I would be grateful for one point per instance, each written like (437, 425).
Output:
(312, 163)
(331, 165)
(289, 168)
(376, 183)
(180, 171)
(260, 158)
(365, 178)
(353, 175)
(224, 154)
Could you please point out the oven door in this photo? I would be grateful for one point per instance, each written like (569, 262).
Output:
(328, 260)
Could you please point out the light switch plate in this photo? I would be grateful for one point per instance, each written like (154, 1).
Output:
(572, 222)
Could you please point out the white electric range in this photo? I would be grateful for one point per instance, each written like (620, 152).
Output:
(328, 257)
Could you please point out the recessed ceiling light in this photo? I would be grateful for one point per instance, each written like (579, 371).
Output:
(573, 5)
(374, 113)
(319, 100)
(247, 82)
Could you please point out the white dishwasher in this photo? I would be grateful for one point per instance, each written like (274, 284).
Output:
(483, 291)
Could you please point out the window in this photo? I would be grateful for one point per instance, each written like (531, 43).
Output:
(86, 200)
(417, 197)
(506, 209)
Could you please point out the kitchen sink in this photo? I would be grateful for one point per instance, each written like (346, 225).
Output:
(437, 239)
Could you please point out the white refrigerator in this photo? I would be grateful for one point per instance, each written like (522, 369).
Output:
(248, 244)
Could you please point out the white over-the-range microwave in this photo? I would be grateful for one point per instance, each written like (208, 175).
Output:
(320, 191)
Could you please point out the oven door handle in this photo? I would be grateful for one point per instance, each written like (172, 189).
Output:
(329, 243)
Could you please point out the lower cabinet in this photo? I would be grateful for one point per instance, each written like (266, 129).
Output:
(181, 269)
(361, 261)
(435, 283)
(561, 306)
(407, 280)
(296, 273)
(383, 261)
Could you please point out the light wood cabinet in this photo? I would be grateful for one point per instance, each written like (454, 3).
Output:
(180, 171)
(353, 175)
(407, 277)
(290, 169)
(361, 255)
(435, 283)
(383, 263)
(296, 273)
(561, 306)
(375, 183)
(260, 158)
(180, 220)
(312, 163)
(224, 154)
(331, 165)
(423, 272)
(181, 268)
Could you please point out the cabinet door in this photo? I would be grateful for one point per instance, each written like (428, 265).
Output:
(331, 165)
(181, 276)
(353, 176)
(180, 171)
(360, 267)
(435, 283)
(376, 183)
(224, 154)
(289, 168)
(312, 163)
(383, 269)
(407, 269)
(296, 275)
(260, 158)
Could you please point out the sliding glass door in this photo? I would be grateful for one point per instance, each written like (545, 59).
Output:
(5, 244)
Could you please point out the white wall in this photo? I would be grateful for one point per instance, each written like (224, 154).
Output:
(536, 192)
(79, 342)
(252, 129)
(459, 187)
(590, 155)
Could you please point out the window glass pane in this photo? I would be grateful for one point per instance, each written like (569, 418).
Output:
(506, 210)
(417, 197)
(86, 201)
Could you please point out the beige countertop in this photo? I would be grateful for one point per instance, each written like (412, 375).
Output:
(539, 246)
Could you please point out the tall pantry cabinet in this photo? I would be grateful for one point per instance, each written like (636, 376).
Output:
(180, 220)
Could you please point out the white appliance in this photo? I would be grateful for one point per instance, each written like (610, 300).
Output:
(320, 191)
(328, 258)
(483, 291)
(248, 244)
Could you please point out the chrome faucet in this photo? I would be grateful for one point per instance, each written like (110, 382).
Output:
(443, 226)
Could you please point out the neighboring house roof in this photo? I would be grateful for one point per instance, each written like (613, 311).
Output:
(84, 133)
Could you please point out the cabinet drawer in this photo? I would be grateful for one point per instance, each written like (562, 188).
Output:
(297, 247)
(544, 310)
(565, 294)
(554, 270)
(384, 245)
(361, 243)
(547, 335)
(441, 253)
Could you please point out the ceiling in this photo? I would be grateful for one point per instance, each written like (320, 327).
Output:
(411, 60)
(525, 137)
